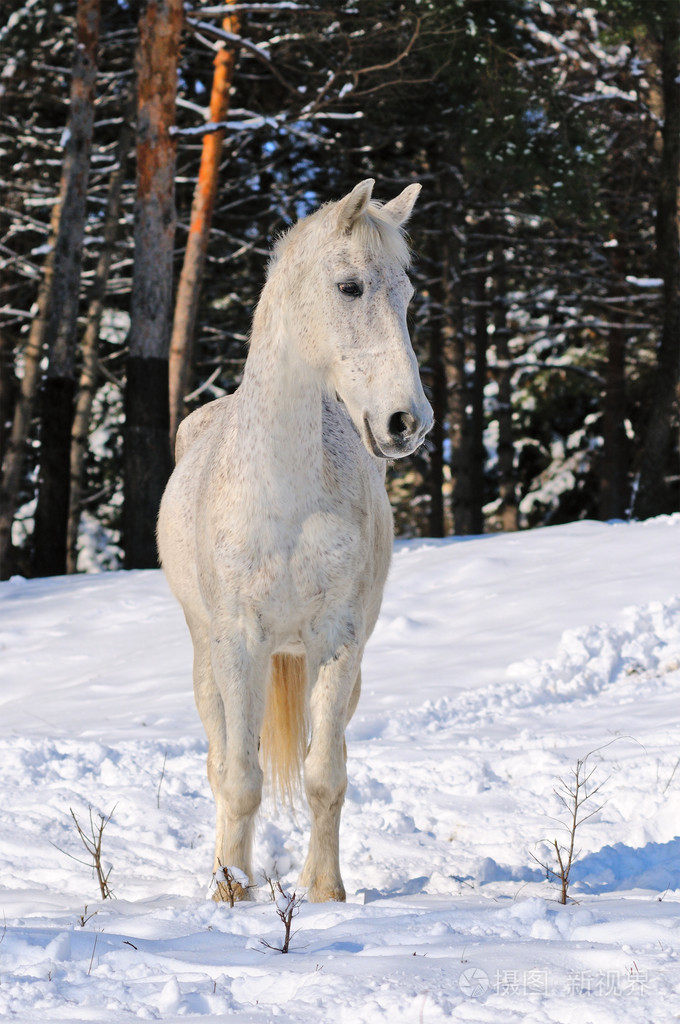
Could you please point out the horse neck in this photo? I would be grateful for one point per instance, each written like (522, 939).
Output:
(281, 397)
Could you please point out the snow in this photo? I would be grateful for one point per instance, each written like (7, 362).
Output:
(232, 874)
(497, 662)
(645, 282)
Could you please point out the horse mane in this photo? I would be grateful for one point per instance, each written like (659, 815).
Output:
(374, 230)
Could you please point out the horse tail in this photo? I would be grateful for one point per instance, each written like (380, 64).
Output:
(285, 729)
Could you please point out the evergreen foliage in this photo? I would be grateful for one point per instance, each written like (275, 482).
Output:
(545, 299)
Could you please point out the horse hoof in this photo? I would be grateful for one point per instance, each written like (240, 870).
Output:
(334, 895)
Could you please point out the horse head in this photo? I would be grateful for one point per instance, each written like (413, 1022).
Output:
(349, 292)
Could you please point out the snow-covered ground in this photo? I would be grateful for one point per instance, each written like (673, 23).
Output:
(497, 663)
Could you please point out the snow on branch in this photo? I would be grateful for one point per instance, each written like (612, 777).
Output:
(16, 17)
(645, 282)
(224, 9)
(551, 41)
(257, 121)
(257, 50)
(546, 364)
(260, 49)
(605, 92)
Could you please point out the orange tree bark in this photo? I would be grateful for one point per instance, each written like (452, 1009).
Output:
(189, 287)
(146, 458)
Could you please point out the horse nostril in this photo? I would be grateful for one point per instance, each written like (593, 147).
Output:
(401, 425)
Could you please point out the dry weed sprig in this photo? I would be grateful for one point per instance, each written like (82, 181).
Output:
(572, 793)
(93, 845)
(232, 884)
(160, 783)
(85, 917)
(287, 907)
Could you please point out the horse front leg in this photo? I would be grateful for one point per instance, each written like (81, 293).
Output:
(331, 703)
(240, 675)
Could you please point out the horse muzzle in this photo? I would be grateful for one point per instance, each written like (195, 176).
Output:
(404, 433)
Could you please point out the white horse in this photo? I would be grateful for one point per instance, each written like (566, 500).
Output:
(275, 531)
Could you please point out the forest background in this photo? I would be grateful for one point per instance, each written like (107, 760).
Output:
(150, 153)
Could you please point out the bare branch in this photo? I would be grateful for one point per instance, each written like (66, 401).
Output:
(245, 44)
(396, 60)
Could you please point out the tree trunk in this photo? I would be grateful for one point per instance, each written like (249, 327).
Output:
(189, 287)
(477, 454)
(507, 484)
(438, 392)
(652, 492)
(56, 302)
(147, 459)
(459, 390)
(613, 498)
(90, 344)
(51, 517)
(23, 413)
(7, 389)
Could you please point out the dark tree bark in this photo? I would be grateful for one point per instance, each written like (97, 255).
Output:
(444, 290)
(613, 499)
(7, 389)
(189, 287)
(147, 459)
(51, 517)
(438, 394)
(507, 481)
(23, 412)
(61, 306)
(477, 454)
(652, 495)
(459, 389)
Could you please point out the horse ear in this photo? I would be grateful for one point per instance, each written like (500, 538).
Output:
(353, 205)
(399, 209)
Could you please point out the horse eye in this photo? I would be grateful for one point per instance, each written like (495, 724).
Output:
(351, 288)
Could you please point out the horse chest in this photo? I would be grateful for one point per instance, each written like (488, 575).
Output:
(296, 572)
